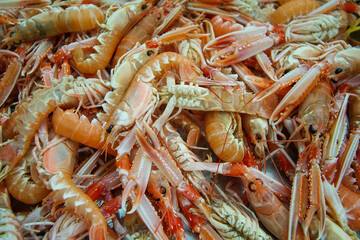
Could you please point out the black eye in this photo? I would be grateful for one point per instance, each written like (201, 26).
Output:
(143, 6)
(12, 34)
(355, 13)
(150, 52)
(258, 136)
(159, 16)
(193, 15)
(338, 70)
(163, 190)
(109, 128)
(252, 187)
(260, 181)
(287, 71)
(313, 128)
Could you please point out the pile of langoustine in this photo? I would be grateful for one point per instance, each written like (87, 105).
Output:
(114, 114)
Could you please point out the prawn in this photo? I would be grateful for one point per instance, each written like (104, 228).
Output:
(224, 133)
(268, 208)
(79, 129)
(10, 227)
(160, 189)
(26, 119)
(197, 223)
(307, 195)
(345, 63)
(296, 94)
(291, 10)
(56, 22)
(314, 111)
(232, 219)
(141, 32)
(121, 112)
(168, 166)
(256, 128)
(59, 160)
(22, 186)
(127, 68)
(117, 26)
(216, 98)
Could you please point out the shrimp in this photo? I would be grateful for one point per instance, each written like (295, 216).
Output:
(296, 94)
(257, 37)
(183, 156)
(160, 189)
(10, 227)
(239, 45)
(256, 128)
(291, 10)
(224, 133)
(233, 220)
(117, 26)
(125, 70)
(70, 125)
(345, 63)
(313, 28)
(315, 109)
(56, 22)
(216, 98)
(22, 186)
(168, 166)
(197, 223)
(121, 112)
(141, 32)
(354, 108)
(59, 158)
(307, 195)
(131, 62)
(144, 209)
(29, 114)
(268, 208)
(59, 161)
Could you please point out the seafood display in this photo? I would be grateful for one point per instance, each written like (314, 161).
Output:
(179, 119)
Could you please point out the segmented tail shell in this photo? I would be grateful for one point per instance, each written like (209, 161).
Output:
(22, 187)
(291, 10)
(79, 129)
(225, 136)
